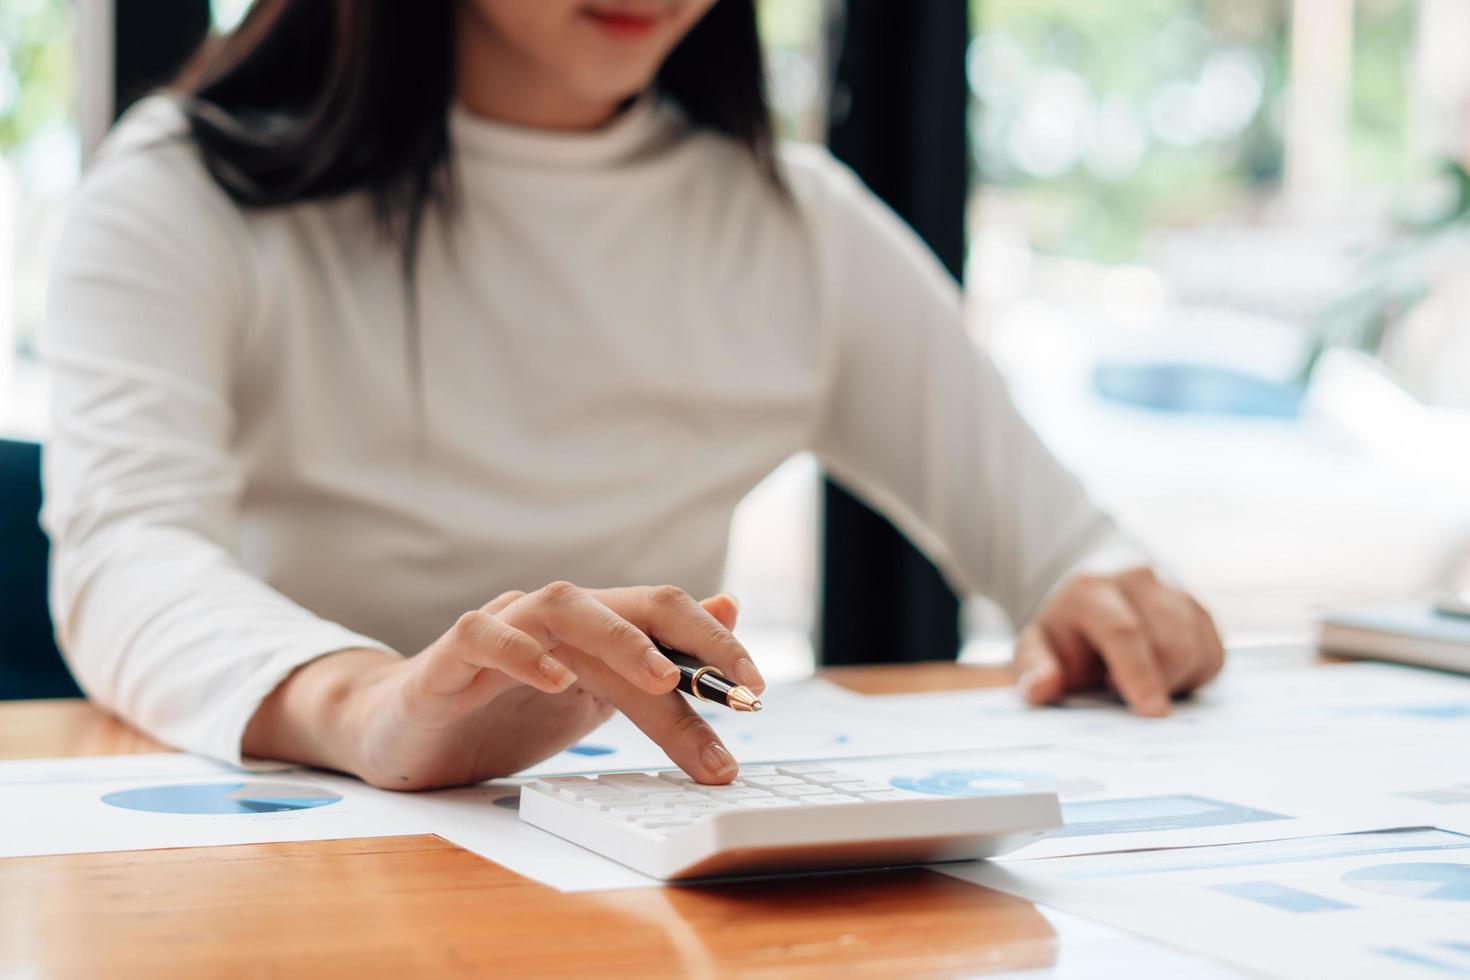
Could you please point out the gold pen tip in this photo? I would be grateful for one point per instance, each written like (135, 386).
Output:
(741, 699)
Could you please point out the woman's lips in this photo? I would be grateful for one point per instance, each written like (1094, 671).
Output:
(621, 23)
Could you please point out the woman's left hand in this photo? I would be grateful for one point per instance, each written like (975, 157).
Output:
(1128, 631)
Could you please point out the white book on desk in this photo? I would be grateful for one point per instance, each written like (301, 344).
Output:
(1407, 632)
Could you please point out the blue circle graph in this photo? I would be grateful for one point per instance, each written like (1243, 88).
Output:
(591, 749)
(1439, 882)
(786, 736)
(993, 782)
(222, 798)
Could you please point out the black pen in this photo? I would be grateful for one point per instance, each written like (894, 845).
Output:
(704, 682)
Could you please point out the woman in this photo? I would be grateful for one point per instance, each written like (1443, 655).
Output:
(395, 311)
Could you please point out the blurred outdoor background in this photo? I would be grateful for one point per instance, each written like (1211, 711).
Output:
(1219, 247)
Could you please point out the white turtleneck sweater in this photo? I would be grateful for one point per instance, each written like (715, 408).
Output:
(621, 333)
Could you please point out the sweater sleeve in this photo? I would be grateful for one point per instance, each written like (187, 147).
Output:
(159, 622)
(920, 424)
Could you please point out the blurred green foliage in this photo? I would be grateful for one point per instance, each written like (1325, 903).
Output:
(791, 31)
(1383, 39)
(1397, 276)
(1132, 55)
(37, 99)
(37, 82)
(789, 23)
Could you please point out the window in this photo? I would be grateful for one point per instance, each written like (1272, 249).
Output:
(225, 15)
(40, 159)
(1176, 206)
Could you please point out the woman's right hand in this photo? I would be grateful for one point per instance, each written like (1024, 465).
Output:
(518, 680)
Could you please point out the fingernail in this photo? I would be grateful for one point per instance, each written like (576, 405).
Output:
(745, 673)
(718, 760)
(561, 675)
(1030, 681)
(1027, 679)
(659, 665)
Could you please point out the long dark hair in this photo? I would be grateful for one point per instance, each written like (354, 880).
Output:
(310, 99)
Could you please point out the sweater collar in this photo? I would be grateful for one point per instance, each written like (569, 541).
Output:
(637, 129)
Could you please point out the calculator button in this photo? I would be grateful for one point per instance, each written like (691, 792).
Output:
(758, 771)
(590, 790)
(735, 792)
(663, 823)
(800, 789)
(887, 794)
(828, 778)
(676, 776)
(828, 799)
(562, 780)
(769, 782)
(654, 787)
(704, 806)
(607, 802)
(627, 780)
(802, 769)
(673, 796)
(766, 802)
(859, 787)
(642, 810)
(610, 802)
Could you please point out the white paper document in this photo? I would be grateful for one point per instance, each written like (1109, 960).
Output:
(165, 800)
(1255, 706)
(168, 800)
(1112, 806)
(1426, 781)
(799, 721)
(1366, 740)
(1374, 905)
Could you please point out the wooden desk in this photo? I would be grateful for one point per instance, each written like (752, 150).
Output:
(417, 906)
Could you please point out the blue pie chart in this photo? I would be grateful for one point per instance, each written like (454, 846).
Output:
(588, 748)
(220, 798)
(994, 782)
(1439, 882)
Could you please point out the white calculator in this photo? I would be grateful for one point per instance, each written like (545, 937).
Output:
(777, 818)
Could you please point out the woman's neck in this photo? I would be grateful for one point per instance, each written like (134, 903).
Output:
(495, 81)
